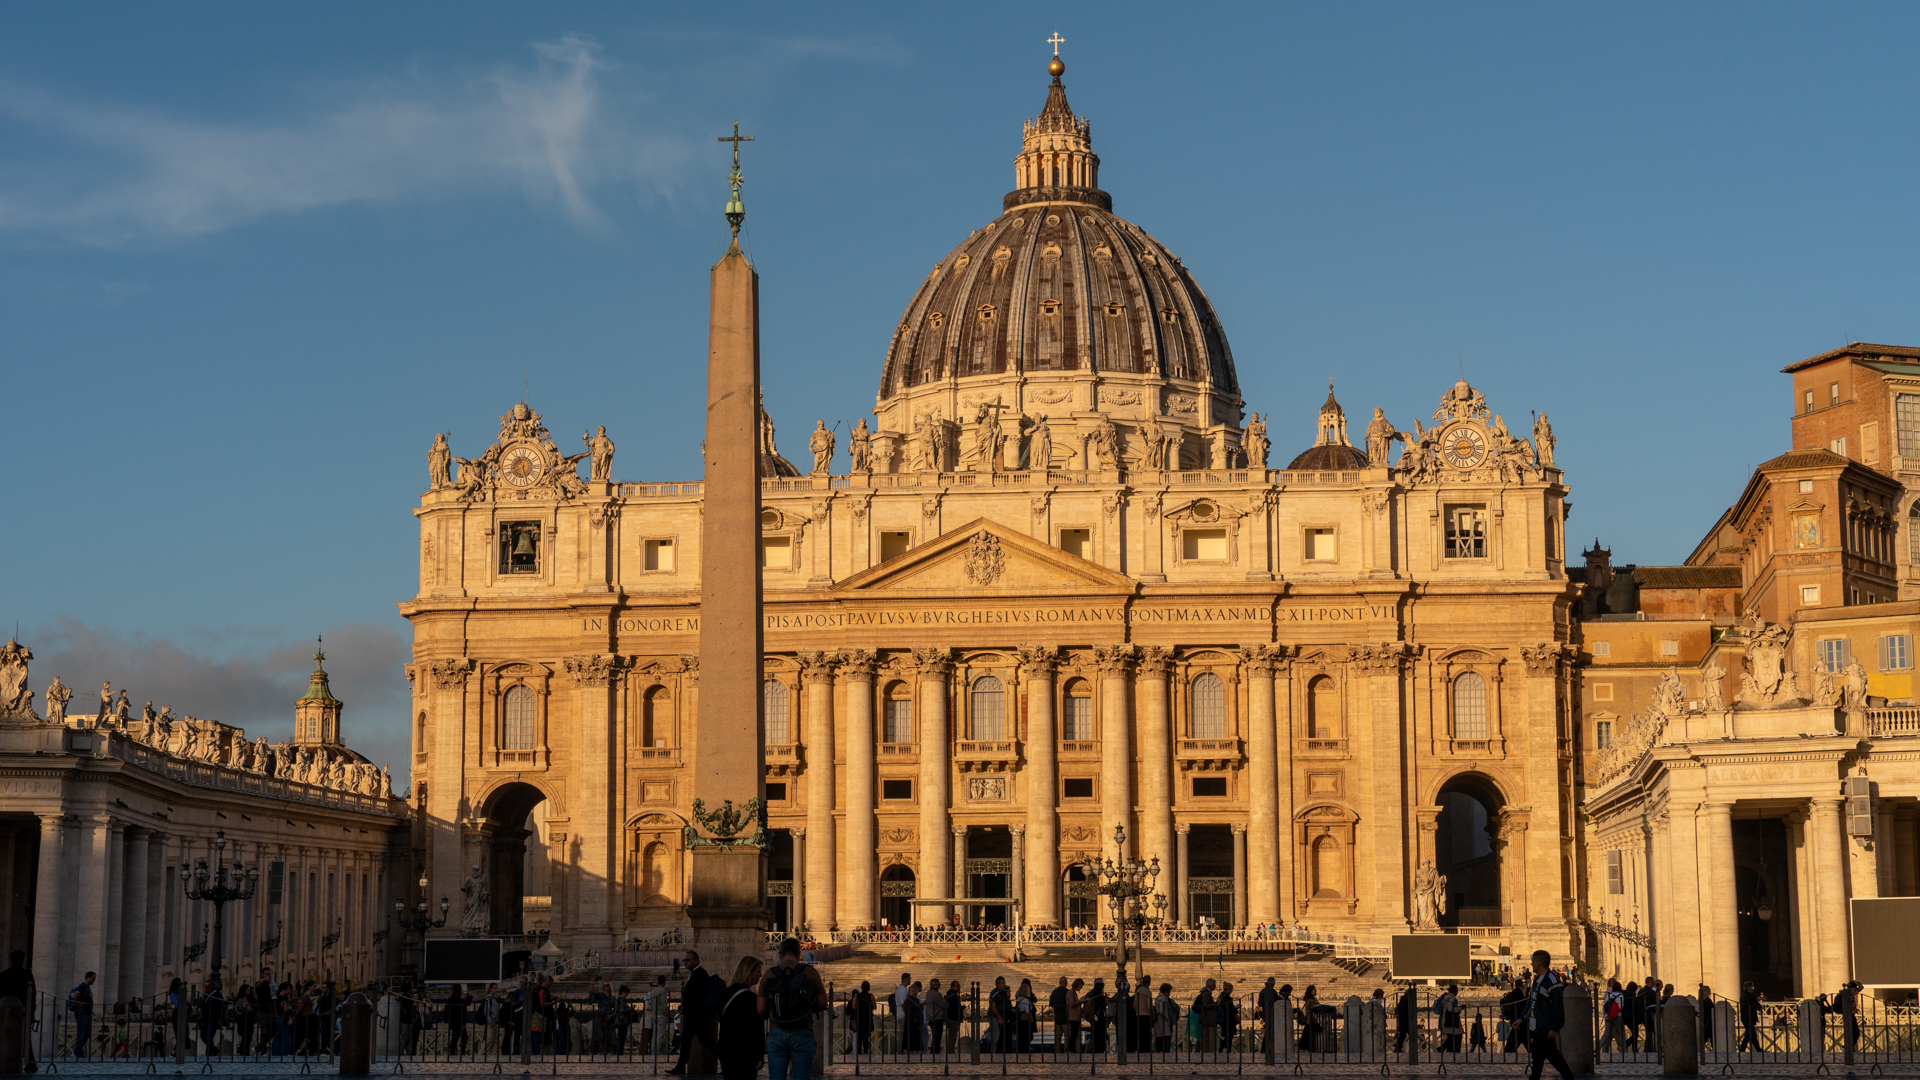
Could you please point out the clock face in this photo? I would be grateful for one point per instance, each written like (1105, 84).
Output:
(521, 466)
(1464, 447)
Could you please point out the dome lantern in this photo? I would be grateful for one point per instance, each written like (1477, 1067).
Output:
(1056, 161)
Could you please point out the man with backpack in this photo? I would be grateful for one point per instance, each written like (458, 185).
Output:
(789, 996)
(80, 1004)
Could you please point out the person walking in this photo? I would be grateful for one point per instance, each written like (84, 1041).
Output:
(17, 982)
(1074, 1006)
(1140, 1024)
(862, 1007)
(656, 1027)
(699, 1005)
(1268, 995)
(1404, 1014)
(956, 1012)
(1447, 1006)
(1749, 1019)
(1309, 1018)
(743, 1035)
(935, 1009)
(1546, 1015)
(1094, 1008)
(1166, 1017)
(80, 1004)
(999, 1016)
(1024, 1009)
(1630, 1016)
(913, 1022)
(1227, 1011)
(789, 996)
(1208, 1017)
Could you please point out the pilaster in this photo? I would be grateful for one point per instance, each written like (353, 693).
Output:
(934, 667)
(1156, 755)
(1042, 831)
(1263, 782)
(595, 677)
(860, 886)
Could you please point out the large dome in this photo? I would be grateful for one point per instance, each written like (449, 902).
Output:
(1059, 307)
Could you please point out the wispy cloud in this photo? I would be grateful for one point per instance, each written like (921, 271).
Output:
(250, 688)
(547, 129)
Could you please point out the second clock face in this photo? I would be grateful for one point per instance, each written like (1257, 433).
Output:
(1464, 447)
(521, 466)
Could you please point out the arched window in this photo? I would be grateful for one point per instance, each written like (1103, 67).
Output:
(522, 720)
(989, 710)
(1323, 709)
(1209, 707)
(773, 700)
(1327, 878)
(1076, 724)
(898, 721)
(656, 718)
(1913, 534)
(1469, 706)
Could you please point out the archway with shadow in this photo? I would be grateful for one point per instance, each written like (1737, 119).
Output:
(1464, 851)
(506, 828)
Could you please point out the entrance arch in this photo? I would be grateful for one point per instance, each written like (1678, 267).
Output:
(511, 837)
(897, 887)
(1463, 849)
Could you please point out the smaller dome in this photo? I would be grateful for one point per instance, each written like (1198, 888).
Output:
(1328, 457)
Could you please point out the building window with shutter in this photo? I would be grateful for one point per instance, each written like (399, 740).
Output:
(1835, 653)
(1602, 734)
(1896, 652)
(1616, 878)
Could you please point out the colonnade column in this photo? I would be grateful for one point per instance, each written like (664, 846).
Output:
(1183, 912)
(1283, 736)
(109, 980)
(1041, 878)
(1116, 747)
(90, 901)
(862, 864)
(797, 900)
(1239, 875)
(816, 674)
(1018, 879)
(49, 902)
(133, 936)
(960, 871)
(1829, 889)
(935, 745)
(1156, 756)
(594, 677)
(1263, 811)
(1722, 969)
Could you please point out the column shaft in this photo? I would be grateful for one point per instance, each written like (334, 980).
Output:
(1183, 914)
(594, 679)
(49, 902)
(1829, 889)
(1285, 877)
(1156, 758)
(797, 901)
(1263, 798)
(1116, 749)
(1239, 875)
(967, 914)
(1722, 967)
(861, 868)
(936, 784)
(90, 941)
(133, 938)
(821, 871)
(1042, 874)
(1019, 877)
(109, 981)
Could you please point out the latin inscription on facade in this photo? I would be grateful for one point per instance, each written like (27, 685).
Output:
(1020, 616)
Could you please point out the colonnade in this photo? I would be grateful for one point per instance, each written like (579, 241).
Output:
(845, 894)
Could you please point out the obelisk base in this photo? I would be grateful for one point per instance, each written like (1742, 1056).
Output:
(728, 907)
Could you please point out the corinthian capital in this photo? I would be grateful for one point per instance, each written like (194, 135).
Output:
(450, 674)
(859, 664)
(1263, 659)
(1038, 659)
(593, 669)
(1378, 658)
(937, 663)
(1114, 659)
(1544, 658)
(819, 666)
(1155, 660)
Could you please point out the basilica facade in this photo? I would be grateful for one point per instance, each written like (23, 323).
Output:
(1056, 603)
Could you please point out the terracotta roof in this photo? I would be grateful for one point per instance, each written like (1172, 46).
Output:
(1864, 350)
(1805, 459)
(1687, 577)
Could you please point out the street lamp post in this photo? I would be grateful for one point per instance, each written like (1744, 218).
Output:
(218, 885)
(1128, 885)
(419, 923)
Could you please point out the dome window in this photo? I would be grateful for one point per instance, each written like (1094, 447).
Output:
(1115, 309)
(1172, 316)
(962, 261)
(986, 312)
(1053, 219)
(1102, 252)
(1049, 308)
(934, 320)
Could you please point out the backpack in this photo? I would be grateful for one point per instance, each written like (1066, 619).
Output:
(1613, 1007)
(788, 1002)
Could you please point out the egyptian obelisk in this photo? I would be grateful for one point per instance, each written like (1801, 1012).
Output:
(727, 901)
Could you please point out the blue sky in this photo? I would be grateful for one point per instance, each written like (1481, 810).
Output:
(253, 256)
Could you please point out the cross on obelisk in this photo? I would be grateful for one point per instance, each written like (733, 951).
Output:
(736, 211)
(1056, 41)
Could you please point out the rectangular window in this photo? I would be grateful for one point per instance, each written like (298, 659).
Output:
(776, 553)
(1603, 648)
(1603, 691)
(1077, 542)
(1318, 546)
(1870, 442)
(1203, 545)
(1809, 594)
(1077, 724)
(519, 547)
(1209, 787)
(1602, 734)
(1806, 487)
(1616, 878)
(774, 705)
(776, 792)
(1906, 423)
(660, 556)
(896, 789)
(1833, 393)
(894, 544)
(1839, 446)
(1896, 652)
(1466, 532)
(1076, 787)
(1669, 648)
(1835, 652)
(899, 722)
(1809, 400)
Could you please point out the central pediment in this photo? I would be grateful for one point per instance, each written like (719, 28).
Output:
(985, 556)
